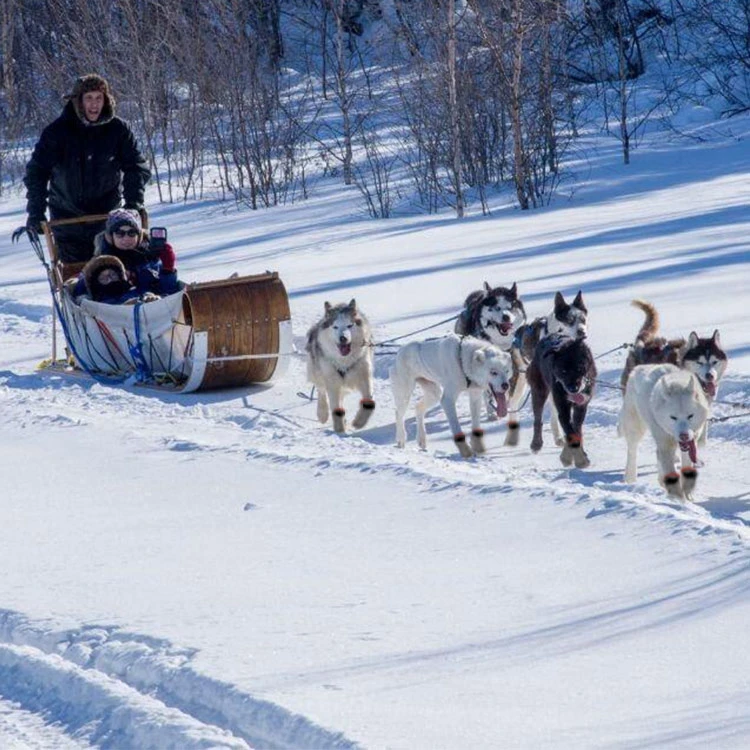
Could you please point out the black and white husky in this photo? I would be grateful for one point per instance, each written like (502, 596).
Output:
(340, 359)
(496, 314)
(566, 322)
(703, 356)
(565, 370)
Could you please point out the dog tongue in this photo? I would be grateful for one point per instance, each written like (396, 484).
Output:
(690, 448)
(710, 389)
(501, 403)
(577, 398)
(345, 349)
(504, 328)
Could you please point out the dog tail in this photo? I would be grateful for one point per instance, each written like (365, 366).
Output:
(650, 325)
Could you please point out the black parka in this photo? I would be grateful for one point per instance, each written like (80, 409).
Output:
(77, 168)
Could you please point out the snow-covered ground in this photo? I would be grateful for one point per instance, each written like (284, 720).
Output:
(220, 570)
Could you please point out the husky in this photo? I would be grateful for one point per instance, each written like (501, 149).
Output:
(671, 403)
(496, 314)
(493, 314)
(566, 369)
(703, 356)
(565, 322)
(340, 359)
(445, 367)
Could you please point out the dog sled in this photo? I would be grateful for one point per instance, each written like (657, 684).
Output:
(216, 334)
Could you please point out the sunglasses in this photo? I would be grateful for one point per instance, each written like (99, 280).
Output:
(126, 233)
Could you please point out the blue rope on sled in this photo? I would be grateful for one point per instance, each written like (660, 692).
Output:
(142, 371)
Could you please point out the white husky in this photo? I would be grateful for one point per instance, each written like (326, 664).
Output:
(670, 403)
(444, 368)
(339, 359)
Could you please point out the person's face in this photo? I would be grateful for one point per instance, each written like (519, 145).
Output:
(108, 276)
(125, 238)
(93, 103)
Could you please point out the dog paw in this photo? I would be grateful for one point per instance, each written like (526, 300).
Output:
(492, 415)
(671, 483)
(581, 458)
(513, 433)
(536, 445)
(460, 440)
(366, 407)
(339, 420)
(322, 413)
(566, 456)
(477, 441)
(688, 477)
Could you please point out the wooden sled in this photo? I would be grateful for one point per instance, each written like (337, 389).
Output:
(216, 334)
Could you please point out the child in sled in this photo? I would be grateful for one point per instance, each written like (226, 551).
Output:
(106, 280)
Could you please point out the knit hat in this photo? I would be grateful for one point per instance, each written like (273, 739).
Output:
(92, 82)
(122, 217)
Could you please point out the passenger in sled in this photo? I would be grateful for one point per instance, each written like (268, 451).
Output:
(149, 260)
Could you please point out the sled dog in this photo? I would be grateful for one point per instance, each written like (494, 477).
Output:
(566, 322)
(496, 314)
(564, 368)
(339, 359)
(445, 367)
(703, 356)
(670, 402)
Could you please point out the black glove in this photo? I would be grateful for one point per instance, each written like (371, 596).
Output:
(32, 229)
(34, 225)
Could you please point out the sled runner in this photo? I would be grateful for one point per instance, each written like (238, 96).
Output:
(215, 334)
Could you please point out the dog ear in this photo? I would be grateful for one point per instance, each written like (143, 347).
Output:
(513, 291)
(578, 301)
(479, 357)
(487, 287)
(352, 304)
(692, 340)
(716, 338)
(327, 307)
(559, 301)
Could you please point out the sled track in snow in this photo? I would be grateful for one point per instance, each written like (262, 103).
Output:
(113, 688)
(286, 437)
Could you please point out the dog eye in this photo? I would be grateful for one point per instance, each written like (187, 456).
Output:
(494, 373)
(690, 416)
(674, 418)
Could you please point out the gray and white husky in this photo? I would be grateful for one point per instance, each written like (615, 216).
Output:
(444, 368)
(670, 403)
(339, 360)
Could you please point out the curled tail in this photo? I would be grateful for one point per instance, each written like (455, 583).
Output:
(650, 325)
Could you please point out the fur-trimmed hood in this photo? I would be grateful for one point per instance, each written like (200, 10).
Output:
(83, 85)
(94, 267)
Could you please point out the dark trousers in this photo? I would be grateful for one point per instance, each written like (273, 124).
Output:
(75, 243)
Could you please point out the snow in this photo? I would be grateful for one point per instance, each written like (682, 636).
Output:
(220, 570)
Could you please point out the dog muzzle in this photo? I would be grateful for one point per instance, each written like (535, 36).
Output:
(505, 327)
(345, 348)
